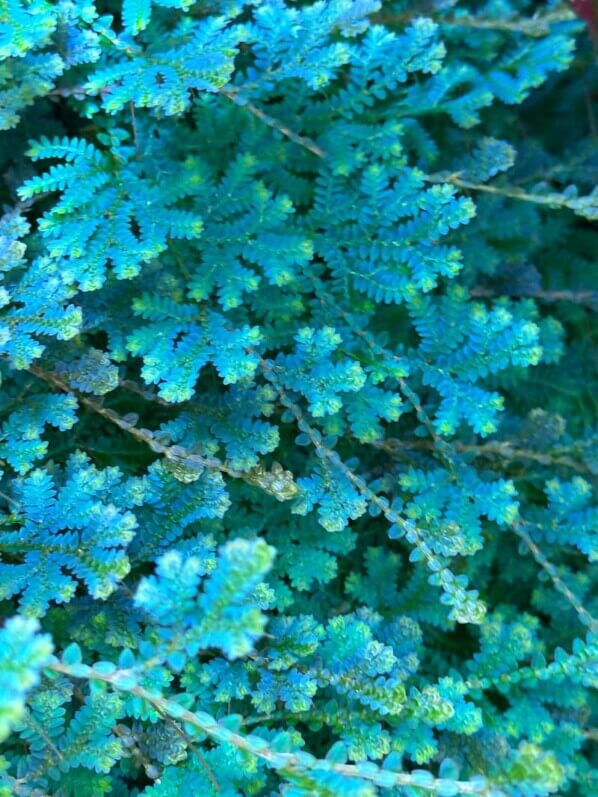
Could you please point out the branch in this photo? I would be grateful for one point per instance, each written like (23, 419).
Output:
(504, 449)
(188, 741)
(589, 298)
(584, 615)
(536, 26)
(454, 591)
(553, 200)
(276, 124)
(79, 92)
(289, 763)
(277, 482)
(440, 447)
(446, 452)
(148, 395)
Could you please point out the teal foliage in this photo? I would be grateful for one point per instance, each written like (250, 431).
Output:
(31, 60)
(298, 420)
(393, 248)
(223, 617)
(102, 198)
(21, 442)
(313, 373)
(24, 652)
(570, 517)
(34, 298)
(67, 526)
(202, 61)
(91, 373)
(183, 348)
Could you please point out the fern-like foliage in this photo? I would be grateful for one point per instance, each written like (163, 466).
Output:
(223, 616)
(298, 419)
(24, 652)
(79, 234)
(66, 528)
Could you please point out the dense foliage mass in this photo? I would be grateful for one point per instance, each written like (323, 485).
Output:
(298, 424)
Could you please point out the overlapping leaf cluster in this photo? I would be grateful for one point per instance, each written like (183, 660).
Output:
(298, 421)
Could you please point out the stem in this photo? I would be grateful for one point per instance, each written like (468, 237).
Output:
(457, 594)
(584, 615)
(276, 124)
(134, 128)
(504, 449)
(446, 452)
(289, 763)
(202, 760)
(589, 298)
(440, 446)
(536, 26)
(550, 200)
(257, 476)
